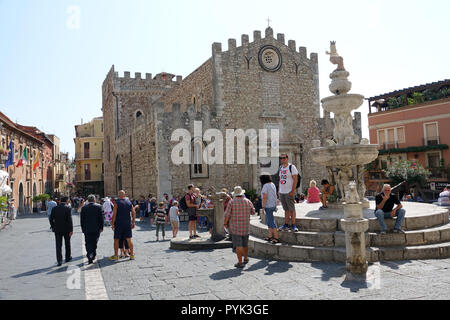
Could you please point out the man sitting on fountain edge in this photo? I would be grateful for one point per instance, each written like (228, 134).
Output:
(385, 209)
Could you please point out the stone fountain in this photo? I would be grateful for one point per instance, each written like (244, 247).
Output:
(345, 156)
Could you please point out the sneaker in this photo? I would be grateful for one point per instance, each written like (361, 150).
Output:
(113, 258)
(398, 231)
(196, 236)
(322, 208)
(294, 228)
(59, 264)
(284, 227)
(131, 256)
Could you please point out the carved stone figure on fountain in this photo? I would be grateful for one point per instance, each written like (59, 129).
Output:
(343, 178)
(352, 196)
(335, 58)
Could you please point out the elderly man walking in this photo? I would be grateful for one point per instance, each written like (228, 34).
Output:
(62, 225)
(385, 202)
(237, 220)
(91, 220)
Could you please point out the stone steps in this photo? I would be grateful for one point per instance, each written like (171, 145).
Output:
(417, 222)
(337, 239)
(289, 252)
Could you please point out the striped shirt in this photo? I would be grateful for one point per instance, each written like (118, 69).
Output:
(239, 210)
(160, 216)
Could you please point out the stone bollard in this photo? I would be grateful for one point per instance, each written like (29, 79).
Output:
(355, 226)
(218, 232)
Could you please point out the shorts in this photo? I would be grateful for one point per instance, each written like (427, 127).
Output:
(192, 212)
(122, 232)
(287, 202)
(174, 223)
(270, 220)
(239, 241)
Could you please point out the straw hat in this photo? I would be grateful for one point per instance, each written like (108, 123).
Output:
(238, 191)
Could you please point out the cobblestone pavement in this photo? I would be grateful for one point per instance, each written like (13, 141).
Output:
(28, 267)
(29, 272)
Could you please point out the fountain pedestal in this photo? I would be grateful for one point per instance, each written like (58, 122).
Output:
(355, 227)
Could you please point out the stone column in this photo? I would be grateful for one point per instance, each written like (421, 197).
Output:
(218, 228)
(355, 226)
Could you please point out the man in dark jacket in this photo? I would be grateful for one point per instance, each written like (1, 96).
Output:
(62, 225)
(91, 220)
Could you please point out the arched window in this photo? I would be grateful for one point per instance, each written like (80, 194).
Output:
(118, 174)
(138, 114)
(198, 167)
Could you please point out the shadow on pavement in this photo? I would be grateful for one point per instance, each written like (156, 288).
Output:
(395, 265)
(226, 274)
(329, 270)
(38, 271)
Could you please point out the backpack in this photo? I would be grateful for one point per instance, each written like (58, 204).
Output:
(182, 204)
(299, 177)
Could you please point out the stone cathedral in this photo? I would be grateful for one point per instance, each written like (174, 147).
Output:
(264, 84)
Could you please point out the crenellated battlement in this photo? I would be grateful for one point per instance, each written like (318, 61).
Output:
(163, 76)
(269, 34)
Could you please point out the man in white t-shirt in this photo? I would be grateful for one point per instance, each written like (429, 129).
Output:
(287, 186)
(444, 196)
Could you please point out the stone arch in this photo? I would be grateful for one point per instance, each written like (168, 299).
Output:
(21, 199)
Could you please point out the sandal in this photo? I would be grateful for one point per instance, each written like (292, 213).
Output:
(267, 239)
(238, 265)
(246, 261)
(274, 241)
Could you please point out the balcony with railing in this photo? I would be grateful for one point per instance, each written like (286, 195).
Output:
(388, 145)
(431, 141)
(91, 155)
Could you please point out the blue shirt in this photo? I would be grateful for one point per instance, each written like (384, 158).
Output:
(50, 206)
(123, 215)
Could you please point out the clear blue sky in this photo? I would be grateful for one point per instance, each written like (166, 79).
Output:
(51, 69)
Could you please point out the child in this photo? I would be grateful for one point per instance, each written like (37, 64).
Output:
(160, 220)
(313, 192)
(174, 214)
(326, 191)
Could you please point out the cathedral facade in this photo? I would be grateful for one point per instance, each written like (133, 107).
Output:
(264, 84)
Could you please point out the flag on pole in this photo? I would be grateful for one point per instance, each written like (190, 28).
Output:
(23, 159)
(10, 160)
(36, 161)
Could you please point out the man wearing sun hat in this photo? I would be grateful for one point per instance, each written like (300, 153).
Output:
(237, 220)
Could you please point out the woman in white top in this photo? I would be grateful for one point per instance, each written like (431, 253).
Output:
(269, 204)
(174, 215)
(108, 211)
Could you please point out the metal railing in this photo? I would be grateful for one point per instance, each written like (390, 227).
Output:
(389, 145)
(431, 141)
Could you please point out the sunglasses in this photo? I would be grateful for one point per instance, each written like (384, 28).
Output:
(283, 157)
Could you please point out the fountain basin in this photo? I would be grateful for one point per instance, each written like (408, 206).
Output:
(343, 156)
(344, 103)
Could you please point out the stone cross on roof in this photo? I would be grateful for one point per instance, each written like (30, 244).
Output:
(268, 22)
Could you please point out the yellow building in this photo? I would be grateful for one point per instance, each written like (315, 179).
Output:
(89, 157)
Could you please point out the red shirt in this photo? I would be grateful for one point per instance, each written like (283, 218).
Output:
(239, 210)
(313, 195)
